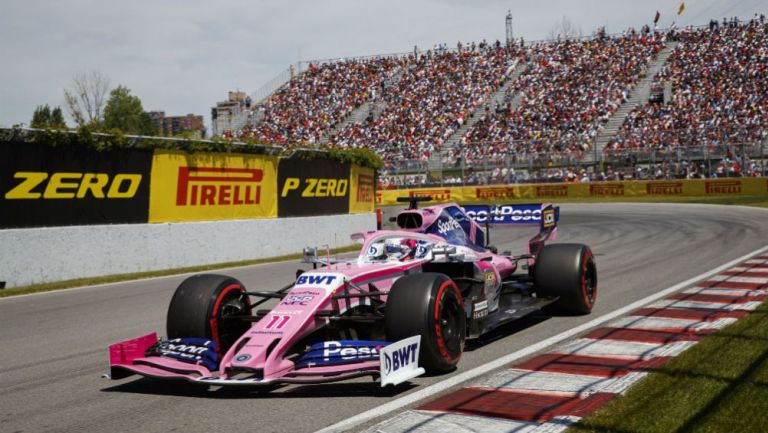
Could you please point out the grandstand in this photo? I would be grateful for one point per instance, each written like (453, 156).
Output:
(502, 112)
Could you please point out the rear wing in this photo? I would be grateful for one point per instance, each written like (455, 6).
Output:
(545, 215)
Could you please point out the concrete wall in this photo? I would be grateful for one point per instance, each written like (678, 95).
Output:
(40, 255)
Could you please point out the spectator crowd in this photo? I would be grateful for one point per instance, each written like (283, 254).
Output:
(568, 91)
(719, 81)
(552, 113)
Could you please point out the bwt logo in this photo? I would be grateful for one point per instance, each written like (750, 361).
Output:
(210, 186)
(400, 358)
(607, 190)
(364, 187)
(315, 279)
(664, 188)
(495, 192)
(552, 191)
(436, 194)
(333, 349)
(732, 187)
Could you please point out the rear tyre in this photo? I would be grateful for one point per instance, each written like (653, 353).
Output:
(567, 271)
(202, 307)
(430, 305)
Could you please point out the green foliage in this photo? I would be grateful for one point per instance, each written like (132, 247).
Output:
(44, 117)
(363, 157)
(94, 135)
(125, 112)
(57, 119)
(41, 117)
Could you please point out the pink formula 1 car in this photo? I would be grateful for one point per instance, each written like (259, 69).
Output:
(406, 304)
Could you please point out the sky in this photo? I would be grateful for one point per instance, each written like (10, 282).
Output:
(182, 56)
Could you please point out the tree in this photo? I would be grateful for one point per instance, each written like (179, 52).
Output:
(41, 118)
(565, 29)
(57, 119)
(85, 99)
(45, 118)
(124, 111)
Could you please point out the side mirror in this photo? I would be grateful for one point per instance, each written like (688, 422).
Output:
(310, 255)
(299, 272)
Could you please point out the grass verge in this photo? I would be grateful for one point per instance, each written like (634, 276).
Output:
(719, 385)
(47, 287)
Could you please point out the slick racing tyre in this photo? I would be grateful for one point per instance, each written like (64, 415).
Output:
(567, 271)
(202, 307)
(430, 305)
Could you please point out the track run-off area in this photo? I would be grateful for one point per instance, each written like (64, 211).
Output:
(54, 345)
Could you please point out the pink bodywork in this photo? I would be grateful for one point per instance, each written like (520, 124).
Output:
(262, 348)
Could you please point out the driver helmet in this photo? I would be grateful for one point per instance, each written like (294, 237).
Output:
(377, 251)
(397, 251)
(411, 246)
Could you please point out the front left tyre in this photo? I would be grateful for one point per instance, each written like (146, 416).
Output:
(204, 306)
(430, 305)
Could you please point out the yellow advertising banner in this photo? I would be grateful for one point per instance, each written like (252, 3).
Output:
(361, 197)
(595, 190)
(439, 194)
(212, 186)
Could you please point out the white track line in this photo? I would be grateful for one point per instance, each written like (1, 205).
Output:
(452, 381)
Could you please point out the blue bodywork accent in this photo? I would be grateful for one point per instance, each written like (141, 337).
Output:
(340, 352)
(191, 350)
(520, 214)
(454, 226)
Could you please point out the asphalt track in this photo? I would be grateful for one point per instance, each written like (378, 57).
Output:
(53, 345)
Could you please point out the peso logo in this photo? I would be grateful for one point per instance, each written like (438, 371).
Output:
(209, 186)
(316, 187)
(401, 357)
(36, 185)
(447, 225)
(334, 349)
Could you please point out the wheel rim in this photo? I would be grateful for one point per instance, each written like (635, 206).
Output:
(450, 323)
(590, 286)
(230, 328)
